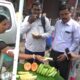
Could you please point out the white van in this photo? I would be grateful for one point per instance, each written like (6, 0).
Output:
(7, 9)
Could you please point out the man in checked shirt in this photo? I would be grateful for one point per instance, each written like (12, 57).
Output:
(66, 40)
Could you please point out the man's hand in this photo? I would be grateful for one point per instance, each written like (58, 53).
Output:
(37, 36)
(40, 58)
(5, 50)
(9, 53)
(62, 57)
(32, 18)
(74, 56)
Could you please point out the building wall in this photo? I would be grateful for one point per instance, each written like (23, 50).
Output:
(51, 8)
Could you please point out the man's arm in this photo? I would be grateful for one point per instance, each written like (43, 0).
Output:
(76, 39)
(25, 26)
(29, 56)
(21, 55)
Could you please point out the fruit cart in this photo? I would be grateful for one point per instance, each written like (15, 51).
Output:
(43, 72)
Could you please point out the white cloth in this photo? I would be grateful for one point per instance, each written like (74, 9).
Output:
(66, 36)
(35, 45)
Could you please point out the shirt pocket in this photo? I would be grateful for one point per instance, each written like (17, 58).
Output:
(67, 35)
(68, 32)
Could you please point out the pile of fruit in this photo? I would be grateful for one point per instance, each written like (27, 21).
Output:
(42, 69)
(34, 71)
(28, 66)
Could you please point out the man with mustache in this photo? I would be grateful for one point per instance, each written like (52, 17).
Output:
(66, 39)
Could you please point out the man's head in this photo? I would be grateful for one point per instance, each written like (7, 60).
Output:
(36, 9)
(65, 13)
(3, 23)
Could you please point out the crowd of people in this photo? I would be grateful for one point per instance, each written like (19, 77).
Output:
(65, 38)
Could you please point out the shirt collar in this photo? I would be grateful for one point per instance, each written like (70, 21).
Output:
(68, 23)
(39, 16)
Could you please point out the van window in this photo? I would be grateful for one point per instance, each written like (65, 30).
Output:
(5, 11)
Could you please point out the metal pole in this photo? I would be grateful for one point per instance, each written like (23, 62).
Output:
(16, 51)
(42, 4)
(21, 5)
(76, 4)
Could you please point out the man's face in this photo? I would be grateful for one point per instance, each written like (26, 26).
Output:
(65, 15)
(3, 26)
(36, 10)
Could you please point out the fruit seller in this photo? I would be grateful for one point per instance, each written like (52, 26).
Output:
(36, 35)
(66, 40)
(21, 55)
(3, 46)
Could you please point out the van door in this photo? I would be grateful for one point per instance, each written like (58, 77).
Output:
(9, 37)
(7, 9)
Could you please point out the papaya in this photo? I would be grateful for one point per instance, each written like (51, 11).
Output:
(34, 66)
(27, 66)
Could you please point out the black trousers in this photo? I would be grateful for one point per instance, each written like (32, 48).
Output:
(62, 66)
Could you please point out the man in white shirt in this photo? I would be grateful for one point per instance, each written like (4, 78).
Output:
(35, 42)
(66, 40)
